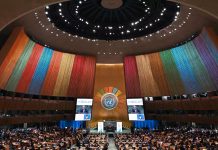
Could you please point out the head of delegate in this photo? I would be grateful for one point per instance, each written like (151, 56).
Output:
(83, 110)
(135, 110)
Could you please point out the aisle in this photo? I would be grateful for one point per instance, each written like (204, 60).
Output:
(111, 144)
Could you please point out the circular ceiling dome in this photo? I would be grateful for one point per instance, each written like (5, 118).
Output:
(111, 4)
(123, 19)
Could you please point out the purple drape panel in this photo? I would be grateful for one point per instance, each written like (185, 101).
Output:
(207, 58)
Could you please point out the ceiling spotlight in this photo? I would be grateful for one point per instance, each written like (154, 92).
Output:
(60, 4)
(47, 7)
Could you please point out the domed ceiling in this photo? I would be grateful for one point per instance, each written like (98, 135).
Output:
(95, 19)
(112, 29)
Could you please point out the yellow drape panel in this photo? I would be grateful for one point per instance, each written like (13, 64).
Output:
(158, 73)
(147, 83)
(63, 79)
(12, 57)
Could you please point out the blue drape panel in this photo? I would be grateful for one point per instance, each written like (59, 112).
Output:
(150, 124)
(40, 72)
(185, 69)
(72, 124)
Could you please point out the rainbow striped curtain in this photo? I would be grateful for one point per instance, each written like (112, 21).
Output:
(32, 68)
(186, 69)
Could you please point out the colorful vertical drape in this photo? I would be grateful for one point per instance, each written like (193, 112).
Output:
(11, 58)
(32, 68)
(52, 74)
(133, 88)
(81, 69)
(186, 69)
(148, 84)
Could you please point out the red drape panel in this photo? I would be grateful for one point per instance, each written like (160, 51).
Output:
(131, 77)
(28, 73)
(88, 77)
(9, 43)
(212, 35)
(52, 74)
(82, 77)
(75, 79)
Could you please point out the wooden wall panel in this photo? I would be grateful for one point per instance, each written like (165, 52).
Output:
(194, 104)
(109, 76)
(10, 103)
(35, 119)
(184, 118)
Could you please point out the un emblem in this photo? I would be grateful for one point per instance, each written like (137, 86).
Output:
(109, 101)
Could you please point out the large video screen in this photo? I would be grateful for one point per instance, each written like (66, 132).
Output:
(135, 109)
(83, 109)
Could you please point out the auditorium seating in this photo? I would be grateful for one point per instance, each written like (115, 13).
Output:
(169, 139)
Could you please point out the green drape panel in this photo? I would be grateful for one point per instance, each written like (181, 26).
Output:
(21, 64)
(158, 73)
(172, 74)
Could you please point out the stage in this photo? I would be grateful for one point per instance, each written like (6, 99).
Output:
(95, 130)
